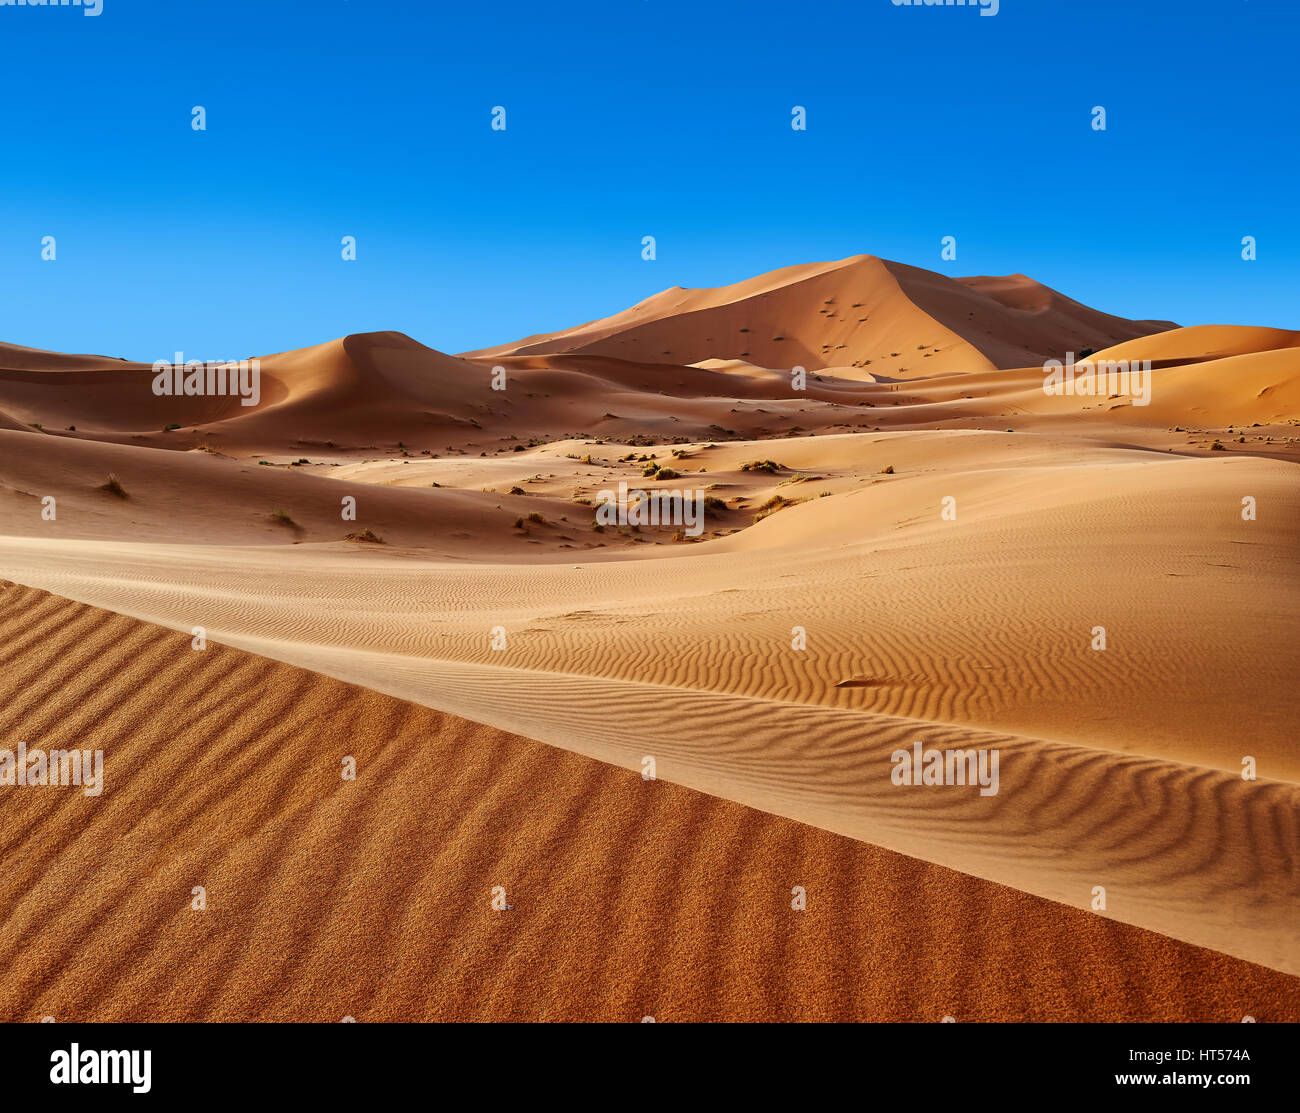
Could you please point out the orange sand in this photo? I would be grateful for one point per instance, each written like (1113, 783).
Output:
(475, 513)
(372, 898)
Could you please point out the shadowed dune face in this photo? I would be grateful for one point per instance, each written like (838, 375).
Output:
(1013, 320)
(372, 897)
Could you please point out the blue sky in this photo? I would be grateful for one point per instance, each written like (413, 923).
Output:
(625, 118)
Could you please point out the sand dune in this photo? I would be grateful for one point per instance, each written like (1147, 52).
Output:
(1203, 342)
(386, 393)
(1172, 525)
(857, 312)
(1012, 319)
(693, 651)
(627, 898)
(14, 357)
(371, 379)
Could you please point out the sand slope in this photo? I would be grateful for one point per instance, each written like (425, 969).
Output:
(371, 898)
(1119, 768)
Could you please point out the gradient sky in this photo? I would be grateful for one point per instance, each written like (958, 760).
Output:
(625, 118)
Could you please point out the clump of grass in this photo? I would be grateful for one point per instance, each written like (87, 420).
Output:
(769, 466)
(775, 503)
(519, 524)
(1217, 446)
(533, 516)
(282, 515)
(799, 477)
(665, 473)
(887, 471)
(367, 535)
(114, 486)
(714, 504)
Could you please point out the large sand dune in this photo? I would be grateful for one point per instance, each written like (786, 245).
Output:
(853, 312)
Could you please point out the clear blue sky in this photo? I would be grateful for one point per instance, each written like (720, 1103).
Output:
(625, 118)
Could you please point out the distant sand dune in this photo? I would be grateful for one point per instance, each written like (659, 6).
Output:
(843, 313)
(1203, 342)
